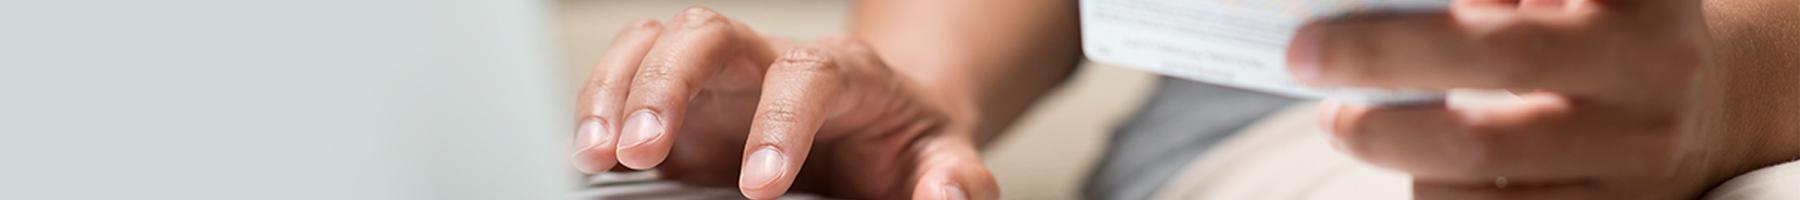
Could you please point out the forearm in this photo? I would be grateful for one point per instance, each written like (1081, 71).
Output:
(989, 60)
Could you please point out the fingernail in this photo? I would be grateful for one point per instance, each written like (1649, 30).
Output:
(588, 134)
(588, 162)
(952, 192)
(1303, 55)
(762, 168)
(640, 128)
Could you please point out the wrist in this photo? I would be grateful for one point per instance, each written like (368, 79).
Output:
(985, 107)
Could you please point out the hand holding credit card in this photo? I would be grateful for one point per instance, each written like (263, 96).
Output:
(1238, 43)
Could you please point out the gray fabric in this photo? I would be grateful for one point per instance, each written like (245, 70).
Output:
(1183, 119)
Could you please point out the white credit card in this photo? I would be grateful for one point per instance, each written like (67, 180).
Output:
(1238, 43)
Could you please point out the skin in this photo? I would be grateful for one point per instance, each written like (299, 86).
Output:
(896, 109)
(1618, 99)
(1683, 98)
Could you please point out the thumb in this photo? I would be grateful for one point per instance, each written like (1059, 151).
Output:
(950, 169)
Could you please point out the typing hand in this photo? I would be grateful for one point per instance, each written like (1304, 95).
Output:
(705, 100)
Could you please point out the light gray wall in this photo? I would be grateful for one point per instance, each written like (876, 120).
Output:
(317, 99)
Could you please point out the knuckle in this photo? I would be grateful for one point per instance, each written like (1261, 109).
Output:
(643, 25)
(653, 85)
(604, 85)
(655, 97)
(698, 17)
(779, 118)
(776, 134)
(807, 60)
(657, 72)
(593, 82)
(780, 111)
(591, 92)
(855, 57)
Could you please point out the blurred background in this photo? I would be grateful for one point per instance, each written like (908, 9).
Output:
(277, 99)
(1046, 155)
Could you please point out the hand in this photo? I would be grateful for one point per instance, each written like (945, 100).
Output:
(1618, 99)
(704, 95)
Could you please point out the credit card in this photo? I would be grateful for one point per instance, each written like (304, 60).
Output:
(1237, 43)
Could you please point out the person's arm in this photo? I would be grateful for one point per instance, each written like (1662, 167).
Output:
(990, 59)
(1759, 42)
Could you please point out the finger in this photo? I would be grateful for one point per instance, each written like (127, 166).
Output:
(599, 101)
(792, 108)
(1541, 137)
(1581, 48)
(1469, 46)
(951, 169)
(698, 43)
